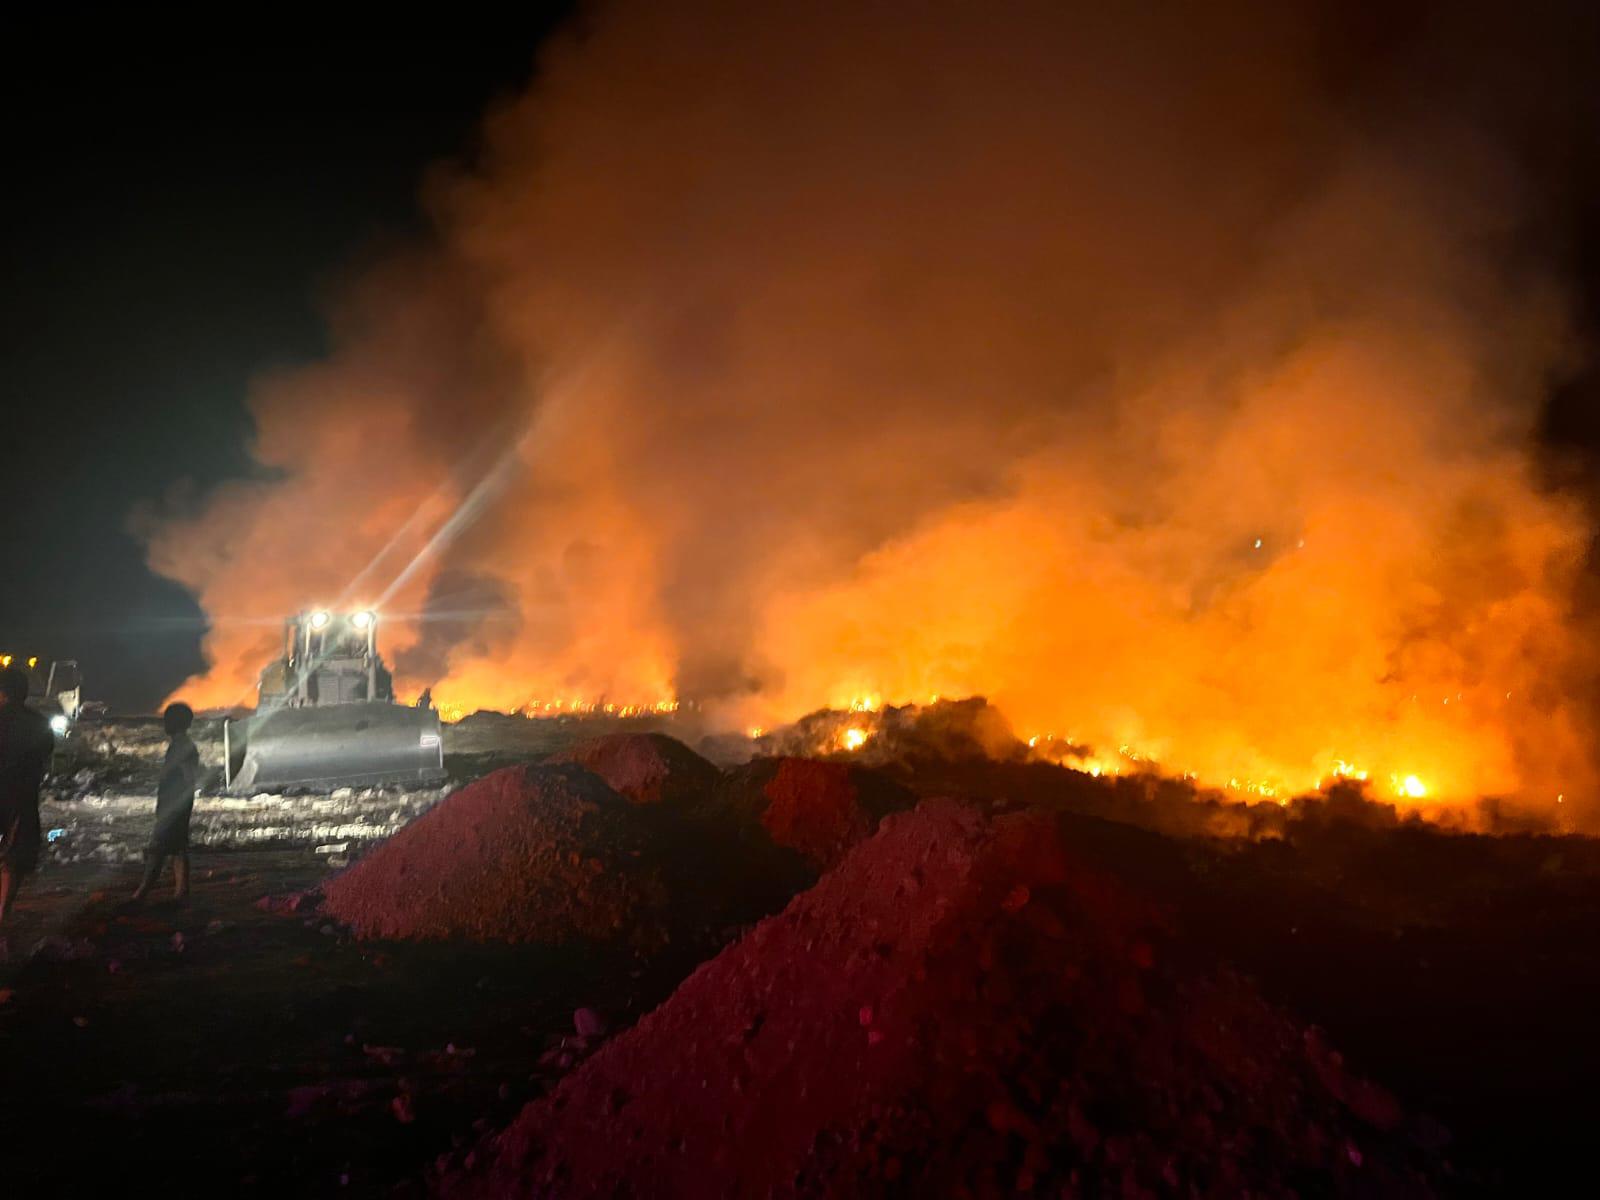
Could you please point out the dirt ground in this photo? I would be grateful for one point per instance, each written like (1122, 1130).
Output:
(240, 1051)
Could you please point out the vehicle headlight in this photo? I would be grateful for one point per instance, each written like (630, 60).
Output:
(363, 619)
(319, 619)
(59, 725)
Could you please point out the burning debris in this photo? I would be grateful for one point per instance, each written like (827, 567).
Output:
(1008, 403)
(955, 551)
(875, 734)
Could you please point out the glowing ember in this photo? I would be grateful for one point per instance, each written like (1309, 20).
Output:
(1411, 786)
(854, 738)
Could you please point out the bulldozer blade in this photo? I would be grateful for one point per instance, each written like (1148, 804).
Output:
(341, 745)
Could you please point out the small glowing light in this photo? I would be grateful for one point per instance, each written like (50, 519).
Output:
(1258, 543)
(755, 732)
(363, 619)
(1413, 787)
(1034, 740)
(319, 620)
(58, 725)
(33, 662)
(1561, 798)
(854, 738)
(5, 660)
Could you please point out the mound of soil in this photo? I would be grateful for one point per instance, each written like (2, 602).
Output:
(959, 1008)
(815, 808)
(528, 854)
(647, 768)
(818, 809)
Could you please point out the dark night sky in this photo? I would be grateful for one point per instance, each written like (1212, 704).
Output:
(170, 218)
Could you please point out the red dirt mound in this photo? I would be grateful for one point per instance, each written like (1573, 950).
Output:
(959, 1008)
(647, 768)
(528, 854)
(817, 809)
(813, 807)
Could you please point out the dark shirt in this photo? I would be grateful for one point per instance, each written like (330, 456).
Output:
(26, 745)
(180, 775)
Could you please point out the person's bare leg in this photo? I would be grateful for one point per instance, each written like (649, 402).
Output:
(8, 891)
(180, 875)
(152, 870)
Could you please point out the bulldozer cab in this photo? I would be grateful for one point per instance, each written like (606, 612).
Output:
(328, 658)
(54, 686)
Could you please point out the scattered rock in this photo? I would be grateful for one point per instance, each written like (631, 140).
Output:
(53, 947)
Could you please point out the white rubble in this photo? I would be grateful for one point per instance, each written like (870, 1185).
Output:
(113, 827)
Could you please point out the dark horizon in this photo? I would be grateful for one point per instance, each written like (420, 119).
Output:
(174, 223)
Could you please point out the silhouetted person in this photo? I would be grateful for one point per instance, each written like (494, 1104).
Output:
(180, 775)
(26, 745)
(426, 699)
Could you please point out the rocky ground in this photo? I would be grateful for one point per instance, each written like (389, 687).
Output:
(1006, 973)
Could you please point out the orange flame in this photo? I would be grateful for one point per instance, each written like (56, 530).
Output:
(1044, 356)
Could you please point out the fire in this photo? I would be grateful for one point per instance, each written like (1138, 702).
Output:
(454, 709)
(854, 738)
(1344, 770)
(999, 384)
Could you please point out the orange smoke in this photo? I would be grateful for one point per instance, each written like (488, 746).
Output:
(1140, 370)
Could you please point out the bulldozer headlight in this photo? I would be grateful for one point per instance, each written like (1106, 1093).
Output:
(59, 724)
(319, 619)
(363, 619)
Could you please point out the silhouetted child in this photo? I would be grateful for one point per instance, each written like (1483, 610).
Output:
(180, 775)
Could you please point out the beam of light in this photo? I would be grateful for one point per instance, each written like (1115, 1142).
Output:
(493, 480)
(468, 511)
(473, 505)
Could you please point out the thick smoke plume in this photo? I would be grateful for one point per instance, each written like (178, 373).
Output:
(1146, 368)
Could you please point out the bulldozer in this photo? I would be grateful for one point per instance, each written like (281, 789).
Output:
(55, 688)
(326, 715)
